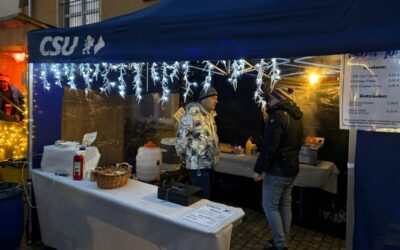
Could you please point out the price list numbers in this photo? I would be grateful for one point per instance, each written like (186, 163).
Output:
(392, 107)
(394, 80)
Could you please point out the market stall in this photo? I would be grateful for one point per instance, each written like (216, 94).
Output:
(14, 130)
(13, 64)
(206, 30)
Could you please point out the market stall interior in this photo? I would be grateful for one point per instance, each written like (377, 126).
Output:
(126, 118)
(197, 31)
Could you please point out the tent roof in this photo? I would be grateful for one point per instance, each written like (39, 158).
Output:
(18, 19)
(226, 29)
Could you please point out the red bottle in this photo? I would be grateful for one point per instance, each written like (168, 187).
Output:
(78, 167)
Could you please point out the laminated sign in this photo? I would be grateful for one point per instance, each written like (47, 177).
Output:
(370, 89)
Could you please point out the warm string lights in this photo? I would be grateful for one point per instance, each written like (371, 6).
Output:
(13, 140)
(164, 74)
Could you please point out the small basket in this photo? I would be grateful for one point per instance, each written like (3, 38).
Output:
(112, 176)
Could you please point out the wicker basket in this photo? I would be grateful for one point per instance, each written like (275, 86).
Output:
(112, 176)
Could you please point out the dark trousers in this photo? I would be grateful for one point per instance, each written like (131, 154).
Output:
(202, 178)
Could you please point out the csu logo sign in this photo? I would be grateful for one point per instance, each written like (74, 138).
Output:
(54, 46)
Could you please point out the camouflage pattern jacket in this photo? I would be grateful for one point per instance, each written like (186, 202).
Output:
(197, 139)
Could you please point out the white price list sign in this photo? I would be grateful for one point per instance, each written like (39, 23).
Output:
(208, 217)
(370, 87)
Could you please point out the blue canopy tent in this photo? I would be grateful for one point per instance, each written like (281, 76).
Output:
(226, 29)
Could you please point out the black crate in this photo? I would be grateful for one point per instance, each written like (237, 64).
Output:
(179, 193)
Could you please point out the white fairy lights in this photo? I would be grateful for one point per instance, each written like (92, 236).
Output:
(259, 94)
(188, 84)
(119, 76)
(207, 81)
(275, 73)
(154, 73)
(237, 67)
(137, 80)
(43, 76)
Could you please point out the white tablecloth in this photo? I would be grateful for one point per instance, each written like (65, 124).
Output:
(79, 215)
(323, 176)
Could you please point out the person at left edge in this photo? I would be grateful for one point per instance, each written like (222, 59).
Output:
(197, 140)
(11, 100)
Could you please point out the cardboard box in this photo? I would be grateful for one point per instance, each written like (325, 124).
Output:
(179, 193)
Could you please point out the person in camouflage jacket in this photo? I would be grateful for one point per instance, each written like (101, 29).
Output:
(197, 140)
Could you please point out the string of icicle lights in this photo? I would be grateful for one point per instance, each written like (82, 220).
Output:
(115, 76)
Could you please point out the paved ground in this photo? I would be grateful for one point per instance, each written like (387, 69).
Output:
(253, 233)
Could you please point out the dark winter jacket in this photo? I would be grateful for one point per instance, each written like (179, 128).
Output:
(282, 141)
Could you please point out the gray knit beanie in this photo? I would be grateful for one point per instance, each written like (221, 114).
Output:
(207, 93)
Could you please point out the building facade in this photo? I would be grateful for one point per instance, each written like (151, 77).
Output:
(55, 12)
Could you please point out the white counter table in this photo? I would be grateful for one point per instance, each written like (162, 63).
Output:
(79, 215)
(323, 176)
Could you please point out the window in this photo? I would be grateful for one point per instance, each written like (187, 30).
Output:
(79, 12)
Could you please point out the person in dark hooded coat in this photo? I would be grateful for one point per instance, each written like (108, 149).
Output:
(278, 163)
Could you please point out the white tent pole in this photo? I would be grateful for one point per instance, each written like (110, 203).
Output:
(350, 189)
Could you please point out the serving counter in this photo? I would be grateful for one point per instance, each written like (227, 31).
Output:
(79, 215)
(322, 176)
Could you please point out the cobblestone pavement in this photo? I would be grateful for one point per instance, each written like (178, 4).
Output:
(253, 233)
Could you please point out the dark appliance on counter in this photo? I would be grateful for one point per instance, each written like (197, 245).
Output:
(309, 151)
(170, 159)
(180, 193)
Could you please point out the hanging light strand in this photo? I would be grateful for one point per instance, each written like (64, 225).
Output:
(259, 93)
(137, 80)
(237, 66)
(71, 76)
(207, 81)
(188, 84)
(164, 84)
(121, 69)
(275, 73)
(107, 84)
(55, 69)
(67, 73)
(153, 72)
(43, 77)
(85, 71)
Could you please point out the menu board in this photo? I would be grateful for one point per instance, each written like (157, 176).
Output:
(370, 87)
(208, 217)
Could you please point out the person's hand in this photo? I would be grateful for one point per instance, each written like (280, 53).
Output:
(183, 164)
(258, 177)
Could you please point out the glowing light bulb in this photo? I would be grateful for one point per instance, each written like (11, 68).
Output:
(18, 56)
(313, 79)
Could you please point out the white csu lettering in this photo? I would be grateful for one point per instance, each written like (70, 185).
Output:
(60, 45)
